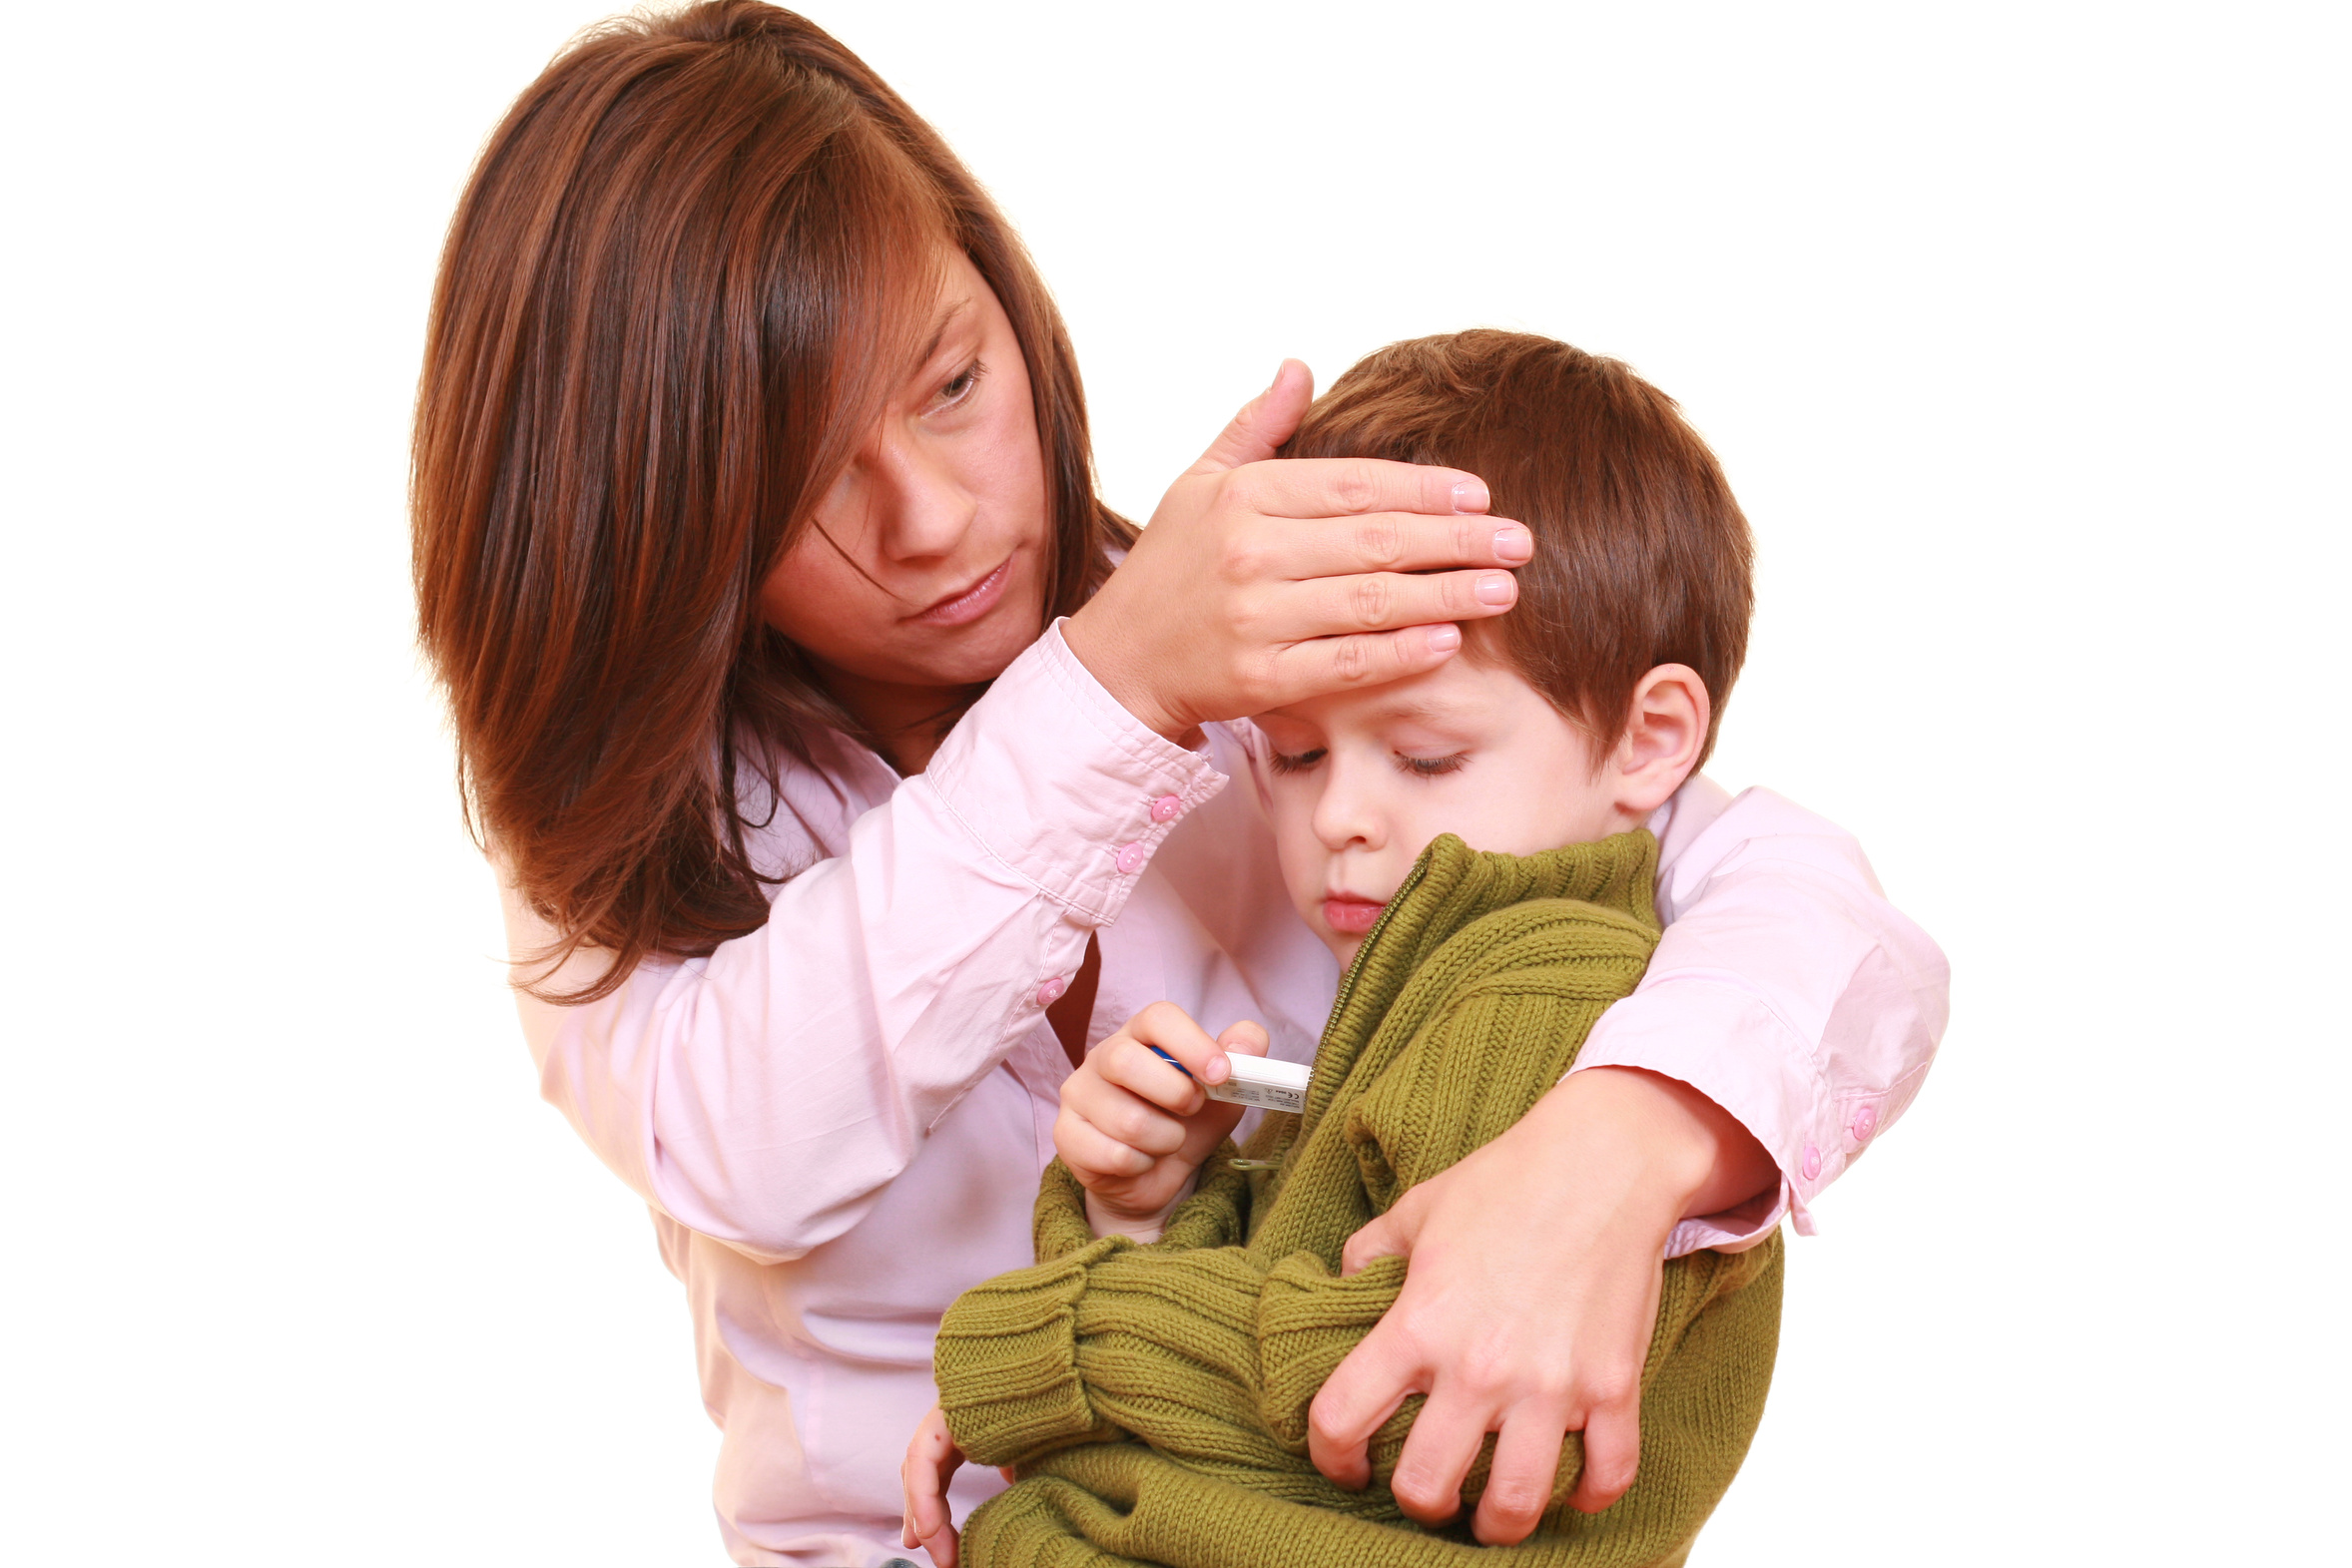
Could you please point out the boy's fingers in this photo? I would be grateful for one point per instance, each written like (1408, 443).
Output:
(1088, 1150)
(1132, 1068)
(1171, 1029)
(1247, 1038)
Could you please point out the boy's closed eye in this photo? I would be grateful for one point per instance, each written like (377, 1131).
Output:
(1418, 766)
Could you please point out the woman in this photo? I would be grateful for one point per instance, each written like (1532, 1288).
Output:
(844, 793)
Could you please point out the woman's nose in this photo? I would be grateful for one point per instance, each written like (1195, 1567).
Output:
(919, 508)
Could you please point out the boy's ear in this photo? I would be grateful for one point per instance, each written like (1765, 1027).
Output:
(1663, 737)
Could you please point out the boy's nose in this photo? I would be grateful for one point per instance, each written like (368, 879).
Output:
(1346, 816)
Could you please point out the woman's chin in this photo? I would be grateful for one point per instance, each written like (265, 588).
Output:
(977, 654)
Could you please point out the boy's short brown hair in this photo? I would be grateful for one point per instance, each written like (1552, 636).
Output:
(1642, 557)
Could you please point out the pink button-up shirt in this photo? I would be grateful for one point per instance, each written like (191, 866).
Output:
(839, 1121)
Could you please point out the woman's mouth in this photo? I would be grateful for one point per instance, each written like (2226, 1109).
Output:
(970, 604)
(1351, 916)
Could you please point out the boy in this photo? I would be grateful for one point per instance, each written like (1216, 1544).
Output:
(1150, 1377)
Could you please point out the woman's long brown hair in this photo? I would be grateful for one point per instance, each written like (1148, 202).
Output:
(681, 280)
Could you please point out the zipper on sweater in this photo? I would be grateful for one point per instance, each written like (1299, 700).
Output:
(1355, 966)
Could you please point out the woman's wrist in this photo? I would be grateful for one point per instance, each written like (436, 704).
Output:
(1095, 643)
(1680, 1154)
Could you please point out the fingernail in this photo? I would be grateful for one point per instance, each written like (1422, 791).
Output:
(1513, 543)
(1216, 1070)
(1496, 588)
(1470, 496)
(1444, 639)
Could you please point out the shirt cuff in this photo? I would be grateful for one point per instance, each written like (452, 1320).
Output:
(1729, 1046)
(1063, 786)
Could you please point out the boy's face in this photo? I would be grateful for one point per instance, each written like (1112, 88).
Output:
(1362, 782)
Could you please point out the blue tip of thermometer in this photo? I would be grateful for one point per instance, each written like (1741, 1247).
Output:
(1170, 1060)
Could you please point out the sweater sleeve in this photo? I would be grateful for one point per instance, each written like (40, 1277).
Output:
(1006, 1355)
(1215, 1351)
(1202, 1352)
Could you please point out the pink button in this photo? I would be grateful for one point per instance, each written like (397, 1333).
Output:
(1166, 808)
(1050, 992)
(1131, 859)
(1812, 1165)
(1866, 1122)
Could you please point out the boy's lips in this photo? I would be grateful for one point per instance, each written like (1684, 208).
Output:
(1349, 915)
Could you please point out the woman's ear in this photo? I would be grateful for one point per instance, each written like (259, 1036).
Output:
(1663, 737)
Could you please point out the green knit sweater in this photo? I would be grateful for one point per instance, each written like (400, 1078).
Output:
(1155, 1397)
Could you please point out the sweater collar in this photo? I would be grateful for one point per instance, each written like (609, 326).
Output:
(1452, 884)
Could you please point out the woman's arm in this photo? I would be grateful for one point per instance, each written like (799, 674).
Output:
(1788, 1015)
(766, 1095)
(1786, 989)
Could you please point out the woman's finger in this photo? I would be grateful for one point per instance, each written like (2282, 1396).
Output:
(1316, 664)
(1355, 1399)
(1438, 1452)
(1342, 547)
(1264, 423)
(1307, 487)
(1526, 1467)
(1385, 602)
(1613, 1455)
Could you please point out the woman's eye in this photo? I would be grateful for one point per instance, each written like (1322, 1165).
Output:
(1432, 767)
(958, 390)
(1299, 764)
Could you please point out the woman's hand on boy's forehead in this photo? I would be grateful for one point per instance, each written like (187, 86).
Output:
(1302, 576)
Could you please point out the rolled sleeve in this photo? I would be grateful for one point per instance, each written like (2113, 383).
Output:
(766, 1094)
(1786, 989)
(1078, 803)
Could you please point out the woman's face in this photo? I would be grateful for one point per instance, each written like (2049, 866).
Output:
(925, 568)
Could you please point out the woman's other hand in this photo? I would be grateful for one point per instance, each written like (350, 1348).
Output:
(1530, 1297)
(932, 1458)
(1261, 583)
(1135, 1126)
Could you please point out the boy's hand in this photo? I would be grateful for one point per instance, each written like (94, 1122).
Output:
(931, 1457)
(1133, 1127)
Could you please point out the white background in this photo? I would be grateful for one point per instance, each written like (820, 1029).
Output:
(2020, 329)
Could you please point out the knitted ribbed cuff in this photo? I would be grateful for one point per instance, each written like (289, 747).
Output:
(1309, 1318)
(1006, 1362)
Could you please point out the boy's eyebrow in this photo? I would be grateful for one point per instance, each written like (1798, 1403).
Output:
(1404, 707)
